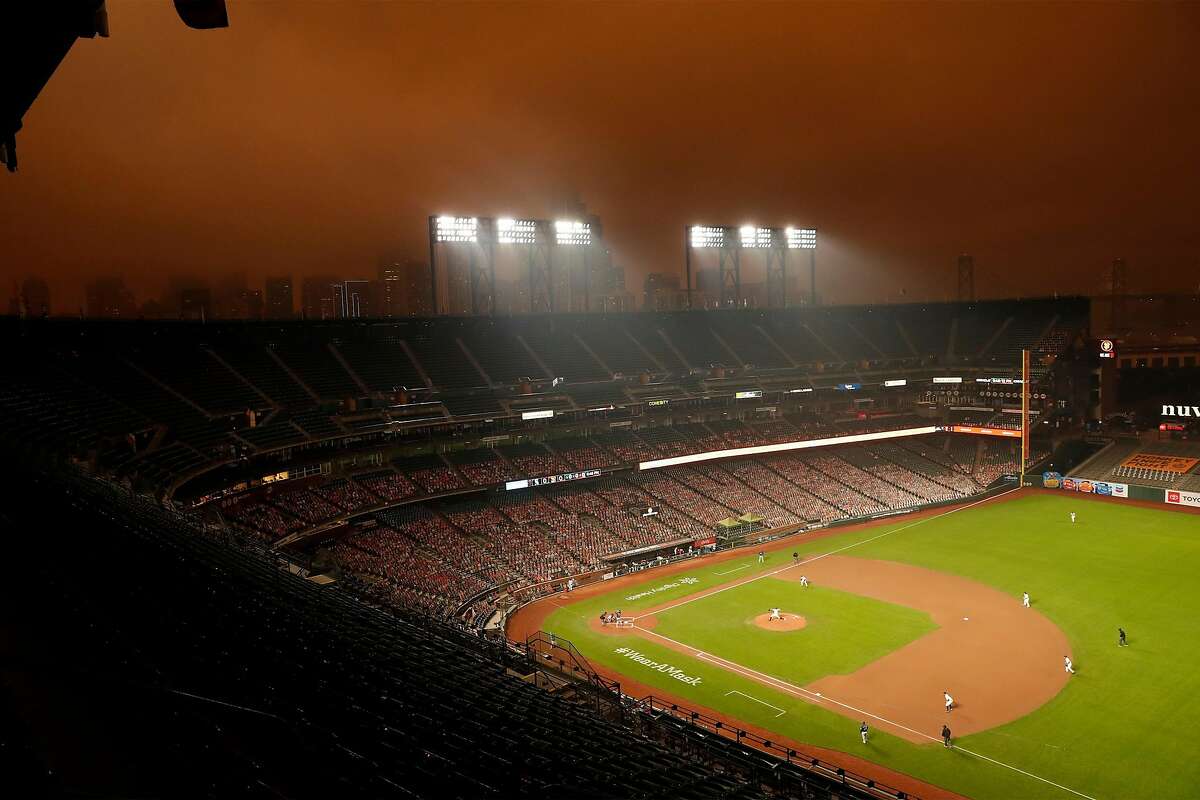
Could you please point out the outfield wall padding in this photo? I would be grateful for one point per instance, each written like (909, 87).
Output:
(1152, 493)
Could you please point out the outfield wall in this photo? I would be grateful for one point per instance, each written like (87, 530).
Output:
(1132, 491)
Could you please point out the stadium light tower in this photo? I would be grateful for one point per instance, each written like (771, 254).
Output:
(533, 235)
(575, 237)
(729, 242)
(476, 238)
(725, 241)
(805, 239)
(544, 242)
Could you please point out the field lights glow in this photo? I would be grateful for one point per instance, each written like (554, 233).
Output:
(516, 231)
(751, 236)
(572, 232)
(801, 238)
(457, 229)
(707, 236)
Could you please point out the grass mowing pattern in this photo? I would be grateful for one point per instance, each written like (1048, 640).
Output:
(1124, 727)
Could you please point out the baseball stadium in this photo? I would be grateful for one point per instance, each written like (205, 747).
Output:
(605, 400)
(837, 552)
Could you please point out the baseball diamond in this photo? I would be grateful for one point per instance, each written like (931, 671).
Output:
(898, 613)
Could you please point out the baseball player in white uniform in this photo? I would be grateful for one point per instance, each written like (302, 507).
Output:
(1072, 517)
(804, 580)
(1025, 599)
(949, 701)
(1067, 665)
(776, 613)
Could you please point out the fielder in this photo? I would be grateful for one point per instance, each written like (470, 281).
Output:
(1072, 517)
(862, 731)
(761, 556)
(949, 701)
(1067, 665)
(804, 580)
(776, 614)
(1121, 638)
(1025, 599)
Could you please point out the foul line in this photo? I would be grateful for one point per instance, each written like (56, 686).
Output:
(735, 569)
(817, 697)
(772, 573)
(755, 699)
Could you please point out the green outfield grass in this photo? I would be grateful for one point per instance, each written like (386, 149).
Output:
(1124, 727)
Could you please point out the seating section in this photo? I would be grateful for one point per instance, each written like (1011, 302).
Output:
(482, 466)
(257, 366)
(1108, 464)
(533, 459)
(289, 690)
(582, 453)
(997, 457)
(319, 369)
(382, 364)
(309, 382)
(387, 485)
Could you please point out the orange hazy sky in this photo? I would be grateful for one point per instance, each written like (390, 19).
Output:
(306, 138)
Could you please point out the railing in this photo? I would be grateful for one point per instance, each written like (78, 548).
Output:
(654, 706)
(548, 647)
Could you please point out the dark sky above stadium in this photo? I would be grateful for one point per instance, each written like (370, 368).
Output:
(315, 137)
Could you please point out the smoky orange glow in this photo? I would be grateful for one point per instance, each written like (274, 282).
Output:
(316, 138)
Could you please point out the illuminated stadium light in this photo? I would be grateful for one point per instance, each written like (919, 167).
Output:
(750, 236)
(896, 382)
(801, 238)
(457, 229)
(707, 236)
(572, 232)
(516, 231)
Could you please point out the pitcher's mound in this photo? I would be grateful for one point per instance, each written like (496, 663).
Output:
(790, 622)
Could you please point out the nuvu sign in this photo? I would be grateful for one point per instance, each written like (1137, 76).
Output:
(1181, 411)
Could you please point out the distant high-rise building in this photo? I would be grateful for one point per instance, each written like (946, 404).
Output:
(194, 287)
(35, 298)
(662, 293)
(607, 291)
(318, 299)
(230, 297)
(107, 298)
(966, 278)
(353, 299)
(152, 309)
(278, 302)
(417, 288)
(250, 304)
(391, 291)
(195, 303)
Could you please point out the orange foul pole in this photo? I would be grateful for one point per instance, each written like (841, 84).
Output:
(1024, 413)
